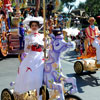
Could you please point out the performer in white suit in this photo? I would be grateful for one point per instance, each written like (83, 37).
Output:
(96, 44)
(30, 71)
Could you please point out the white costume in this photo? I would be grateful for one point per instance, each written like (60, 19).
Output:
(30, 71)
(96, 44)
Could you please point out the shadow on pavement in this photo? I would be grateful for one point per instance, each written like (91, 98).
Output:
(1, 59)
(69, 60)
(70, 56)
(86, 79)
(9, 56)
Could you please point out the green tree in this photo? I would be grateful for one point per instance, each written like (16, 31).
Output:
(92, 7)
(67, 2)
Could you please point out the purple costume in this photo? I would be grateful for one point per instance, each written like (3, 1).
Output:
(53, 70)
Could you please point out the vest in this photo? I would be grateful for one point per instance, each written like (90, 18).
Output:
(91, 33)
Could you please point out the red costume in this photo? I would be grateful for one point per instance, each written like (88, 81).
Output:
(7, 4)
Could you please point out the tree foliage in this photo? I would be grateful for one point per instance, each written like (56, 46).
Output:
(92, 7)
(67, 1)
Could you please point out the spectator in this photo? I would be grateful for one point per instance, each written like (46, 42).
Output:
(21, 36)
(81, 46)
(41, 11)
(25, 13)
(50, 7)
(21, 19)
(77, 41)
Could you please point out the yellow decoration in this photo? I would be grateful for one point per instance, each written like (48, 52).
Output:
(57, 3)
(55, 65)
(50, 46)
(51, 86)
(0, 3)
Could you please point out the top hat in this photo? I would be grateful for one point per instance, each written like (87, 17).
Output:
(57, 31)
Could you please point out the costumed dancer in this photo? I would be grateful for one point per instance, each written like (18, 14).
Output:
(90, 32)
(96, 44)
(30, 71)
(53, 70)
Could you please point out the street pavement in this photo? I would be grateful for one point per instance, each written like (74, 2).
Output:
(88, 84)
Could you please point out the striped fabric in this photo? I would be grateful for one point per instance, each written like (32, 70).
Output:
(91, 33)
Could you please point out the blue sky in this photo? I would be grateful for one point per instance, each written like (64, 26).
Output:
(78, 1)
(75, 3)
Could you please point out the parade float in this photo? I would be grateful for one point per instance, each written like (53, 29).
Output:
(87, 62)
(9, 94)
(89, 59)
(9, 40)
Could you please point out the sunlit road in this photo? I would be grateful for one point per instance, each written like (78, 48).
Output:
(88, 84)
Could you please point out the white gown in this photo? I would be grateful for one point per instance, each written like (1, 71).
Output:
(97, 46)
(30, 71)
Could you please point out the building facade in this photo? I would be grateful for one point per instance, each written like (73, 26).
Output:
(29, 2)
(33, 2)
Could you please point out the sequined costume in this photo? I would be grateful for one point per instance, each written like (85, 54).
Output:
(53, 69)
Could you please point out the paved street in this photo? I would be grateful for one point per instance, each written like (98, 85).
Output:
(88, 84)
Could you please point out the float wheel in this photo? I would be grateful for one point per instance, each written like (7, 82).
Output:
(6, 95)
(78, 67)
